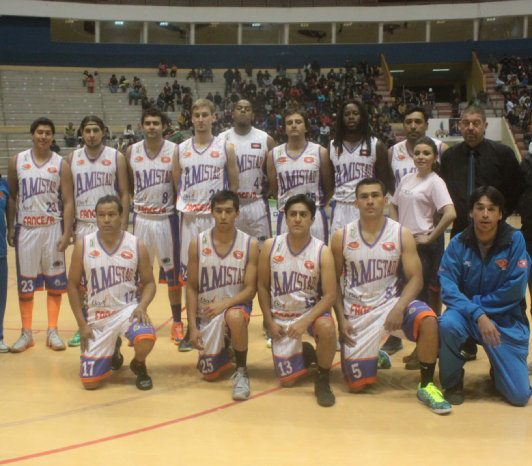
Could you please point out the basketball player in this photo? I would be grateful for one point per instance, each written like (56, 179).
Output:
(151, 164)
(97, 170)
(297, 287)
(110, 259)
(222, 281)
(401, 159)
(206, 164)
(372, 302)
(251, 148)
(40, 191)
(300, 167)
(355, 155)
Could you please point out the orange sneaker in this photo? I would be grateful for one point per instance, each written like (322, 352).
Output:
(177, 333)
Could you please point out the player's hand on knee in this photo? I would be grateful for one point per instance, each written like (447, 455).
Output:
(214, 309)
(490, 335)
(276, 331)
(141, 315)
(195, 338)
(85, 334)
(297, 329)
(394, 321)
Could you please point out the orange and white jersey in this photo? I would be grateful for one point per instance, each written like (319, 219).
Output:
(93, 179)
(402, 160)
(111, 276)
(202, 175)
(220, 277)
(39, 196)
(295, 279)
(370, 276)
(351, 167)
(152, 179)
(298, 175)
(251, 151)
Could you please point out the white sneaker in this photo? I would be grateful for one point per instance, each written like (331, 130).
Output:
(3, 347)
(53, 340)
(269, 342)
(240, 380)
(24, 342)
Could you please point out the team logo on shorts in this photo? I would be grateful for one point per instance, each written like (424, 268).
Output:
(206, 251)
(126, 255)
(94, 253)
(215, 154)
(57, 282)
(80, 162)
(401, 157)
(106, 162)
(388, 246)
(309, 265)
(255, 145)
(165, 159)
(186, 155)
(57, 264)
(502, 263)
(278, 259)
(353, 245)
(523, 263)
(139, 158)
(281, 159)
(238, 254)
(26, 166)
(308, 160)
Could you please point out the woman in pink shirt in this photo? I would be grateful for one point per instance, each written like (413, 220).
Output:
(417, 199)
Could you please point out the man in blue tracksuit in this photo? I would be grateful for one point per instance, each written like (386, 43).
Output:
(483, 275)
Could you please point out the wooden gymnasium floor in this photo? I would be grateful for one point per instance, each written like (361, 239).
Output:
(47, 418)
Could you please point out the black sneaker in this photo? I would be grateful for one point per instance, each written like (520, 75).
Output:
(468, 351)
(117, 360)
(455, 395)
(392, 345)
(185, 344)
(309, 355)
(323, 392)
(143, 379)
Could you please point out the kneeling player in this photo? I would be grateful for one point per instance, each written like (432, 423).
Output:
(110, 260)
(367, 254)
(222, 281)
(297, 288)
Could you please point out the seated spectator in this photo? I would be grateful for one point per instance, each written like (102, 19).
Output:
(207, 74)
(113, 84)
(162, 69)
(176, 91)
(192, 75)
(84, 77)
(169, 102)
(123, 84)
(173, 71)
(129, 134)
(133, 96)
(90, 84)
(122, 145)
(70, 135)
(160, 101)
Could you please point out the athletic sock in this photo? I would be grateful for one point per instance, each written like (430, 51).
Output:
(176, 312)
(241, 358)
(53, 304)
(427, 372)
(26, 312)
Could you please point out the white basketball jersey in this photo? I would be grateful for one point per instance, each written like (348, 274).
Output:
(351, 167)
(152, 177)
(39, 198)
(403, 160)
(295, 284)
(202, 175)
(251, 151)
(220, 277)
(299, 175)
(370, 274)
(111, 275)
(93, 179)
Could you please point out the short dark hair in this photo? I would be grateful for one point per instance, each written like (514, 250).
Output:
(493, 194)
(368, 181)
(91, 119)
(291, 110)
(110, 198)
(474, 109)
(301, 199)
(223, 196)
(155, 112)
(44, 122)
(413, 109)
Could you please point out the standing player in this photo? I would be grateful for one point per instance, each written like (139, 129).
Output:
(206, 164)
(97, 170)
(110, 260)
(297, 287)
(300, 167)
(371, 301)
(150, 164)
(222, 281)
(355, 155)
(401, 156)
(40, 191)
(251, 148)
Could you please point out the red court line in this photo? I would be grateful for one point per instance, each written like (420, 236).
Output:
(134, 432)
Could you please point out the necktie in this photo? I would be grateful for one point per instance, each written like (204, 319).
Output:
(470, 174)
